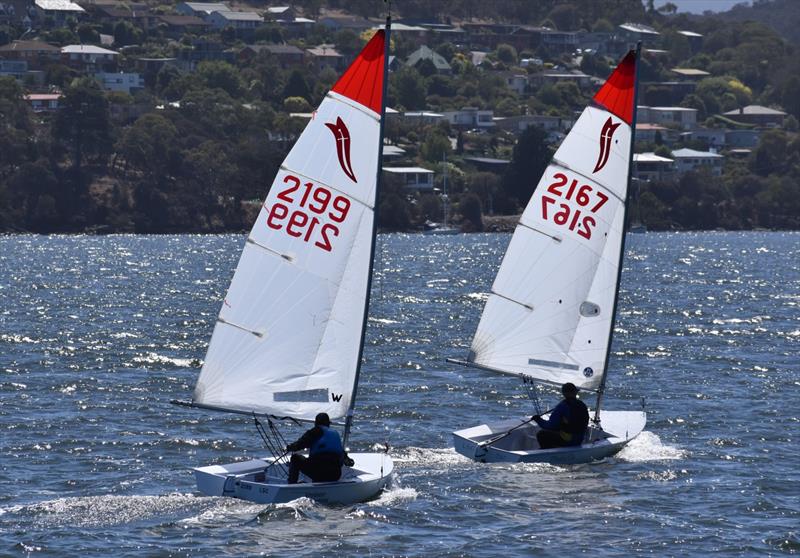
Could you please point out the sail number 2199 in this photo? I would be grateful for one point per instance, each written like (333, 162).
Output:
(316, 203)
(580, 219)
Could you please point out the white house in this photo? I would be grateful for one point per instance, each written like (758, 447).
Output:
(58, 10)
(414, 178)
(690, 159)
(201, 9)
(120, 81)
(470, 117)
(649, 166)
(685, 118)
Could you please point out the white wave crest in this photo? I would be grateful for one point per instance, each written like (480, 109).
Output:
(648, 447)
(394, 496)
(105, 510)
(438, 458)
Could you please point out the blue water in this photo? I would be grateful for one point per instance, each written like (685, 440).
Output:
(97, 334)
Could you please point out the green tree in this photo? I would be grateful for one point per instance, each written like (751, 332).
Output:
(297, 86)
(530, 158)
(83, 126)
(221, 75)
(410, 88)
(435, 147)
(469, 206)
(506, 53)
(149, 146)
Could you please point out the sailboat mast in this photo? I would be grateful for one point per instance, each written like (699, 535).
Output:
(349, 420)
(445, 199)
(601, 388)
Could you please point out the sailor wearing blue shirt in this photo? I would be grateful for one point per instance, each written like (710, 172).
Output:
(325, 456)
(567, 423)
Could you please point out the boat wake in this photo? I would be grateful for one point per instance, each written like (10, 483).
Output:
(649, 447)
(430, 458)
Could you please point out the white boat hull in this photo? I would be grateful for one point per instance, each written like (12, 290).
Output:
(521, 446)
(262, 482)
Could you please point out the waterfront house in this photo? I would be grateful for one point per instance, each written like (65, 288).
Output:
(690, 159)
(414, 178)
(756, 114)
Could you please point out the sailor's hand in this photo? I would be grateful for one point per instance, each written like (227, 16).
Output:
(348, 461)
(537, 418)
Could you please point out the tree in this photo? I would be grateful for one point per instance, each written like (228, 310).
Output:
(296, 86)
(470, 209)
(506, 54)
(221, 75)
(410, 88)
(530, 159)
(149, 146)
(83, 123)
(435, 146)
(296, 104)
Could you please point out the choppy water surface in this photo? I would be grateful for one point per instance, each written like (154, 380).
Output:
(97, 334)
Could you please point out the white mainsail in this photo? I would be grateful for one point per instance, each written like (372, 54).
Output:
(287, 339)
(551, 307)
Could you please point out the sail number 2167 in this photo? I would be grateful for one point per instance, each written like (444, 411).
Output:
(579, 219)
(316, 203)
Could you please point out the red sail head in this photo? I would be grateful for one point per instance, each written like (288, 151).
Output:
(606, 135)
(342, 135)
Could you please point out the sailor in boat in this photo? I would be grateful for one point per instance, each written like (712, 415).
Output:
(326, 454)
(567, 423)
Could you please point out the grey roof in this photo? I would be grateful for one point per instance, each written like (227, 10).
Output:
(29, 46)
(425, 53)
(755, 109)
(208, 6)
(59, 5)
(639, 28)
(686, 152)
(276, 49)
(86, 49)
(239, 16)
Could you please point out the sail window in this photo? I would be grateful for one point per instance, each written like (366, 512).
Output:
(302, 396)
(552, 364)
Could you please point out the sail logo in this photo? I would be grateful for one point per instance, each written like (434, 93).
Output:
(336, 398)
(606, 135)
(342, 135)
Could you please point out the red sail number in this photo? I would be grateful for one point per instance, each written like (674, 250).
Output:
(580, 219)
(306, 221)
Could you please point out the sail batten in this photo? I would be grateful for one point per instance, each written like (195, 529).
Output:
(288, 337)
(569, 287)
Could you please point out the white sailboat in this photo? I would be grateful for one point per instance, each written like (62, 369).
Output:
(550, 316)
(290, 334)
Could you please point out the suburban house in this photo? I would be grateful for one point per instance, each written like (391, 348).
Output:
(470, 117)
(425, 53)
(517, 82)
(340, 21)
(655, 133)
(650, 167)
(690, 159)
(518, 124)
(685, 118)
(690, 73)
(552, 77)
(712, 137)
(423, 118)
(120, 81)
(325, 56)
(178, 25)
(37, 54)
(286, 55)
(241, 21)
(756, 114)
(13, 68)
(633, 32)
(742, 138)
(57, 11)
(89, 58)
(695, 40)
(43, 102)
(414, 178)
(201, 9)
